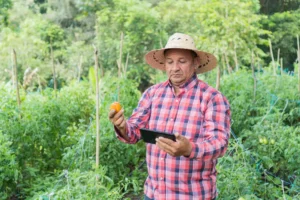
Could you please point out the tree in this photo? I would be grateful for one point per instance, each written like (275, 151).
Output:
(5, 5)
(142, 32)
(269, 7)
(285, 28)
(220, 27)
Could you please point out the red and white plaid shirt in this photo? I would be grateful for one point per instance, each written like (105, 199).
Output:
(201, 114)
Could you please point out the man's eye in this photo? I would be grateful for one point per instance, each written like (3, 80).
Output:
(182, 61)
(169, 62)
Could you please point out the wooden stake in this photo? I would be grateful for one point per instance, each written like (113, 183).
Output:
(281, 66)
(218, 78)
(53, 68)
(278, 56)
(126, 64)
(15, 75)
(254, 77)
(227, 64)
(79, 69)
(120, 63)
(272, 56)
(223, 64)
(236, 60)
(298, 62)
(97, 108)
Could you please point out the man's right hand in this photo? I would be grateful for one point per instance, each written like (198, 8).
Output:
(118, 120)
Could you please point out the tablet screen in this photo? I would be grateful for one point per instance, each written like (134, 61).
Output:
(149, 136)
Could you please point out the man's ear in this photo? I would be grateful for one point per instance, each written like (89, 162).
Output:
(196, 62)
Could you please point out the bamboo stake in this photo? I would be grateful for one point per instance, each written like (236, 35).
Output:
(120, 63)
(97, 108)
(278, 56)
(126, 64)
(15, 75)
(53, 68)
(254, 77)
(281, 66)
(298, 62)
(218, 78)
(236, 60)
(98, 45)
(223, 64)
(79, 68)
(272, 56)
(227, 64)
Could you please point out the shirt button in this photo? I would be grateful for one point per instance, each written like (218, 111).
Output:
(171, 119)
(161, 158)
(161, 178)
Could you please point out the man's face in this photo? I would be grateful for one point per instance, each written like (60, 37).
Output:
(180, 65)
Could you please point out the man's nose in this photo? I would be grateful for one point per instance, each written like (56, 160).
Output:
(175, 66)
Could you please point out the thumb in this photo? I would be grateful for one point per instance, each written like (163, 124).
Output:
(178, 136)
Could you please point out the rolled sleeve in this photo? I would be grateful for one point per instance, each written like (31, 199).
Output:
(216, 130)
(139, 119)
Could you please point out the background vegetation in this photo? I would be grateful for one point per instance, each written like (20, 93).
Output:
(48, 141)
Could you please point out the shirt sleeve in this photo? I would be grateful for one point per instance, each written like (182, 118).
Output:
(138, 119)
(216, 130)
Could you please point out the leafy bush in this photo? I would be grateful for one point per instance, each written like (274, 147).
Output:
(8, 167)
(77, 185)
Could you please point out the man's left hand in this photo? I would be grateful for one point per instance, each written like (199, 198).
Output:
(182, 146)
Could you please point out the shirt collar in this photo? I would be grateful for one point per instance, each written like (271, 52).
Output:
(187, 85)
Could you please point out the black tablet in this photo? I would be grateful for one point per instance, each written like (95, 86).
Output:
(149, 136)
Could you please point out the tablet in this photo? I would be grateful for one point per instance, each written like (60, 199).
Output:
(149, 136)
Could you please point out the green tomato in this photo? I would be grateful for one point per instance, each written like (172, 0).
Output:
(265, 141)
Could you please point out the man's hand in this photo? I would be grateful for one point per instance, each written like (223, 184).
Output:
(182, 146)
(118, 120)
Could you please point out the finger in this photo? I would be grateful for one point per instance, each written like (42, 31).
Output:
(119, 121)
(123, 124)
(179, 137)
(166, 140)
(111, 114)
(165, 144)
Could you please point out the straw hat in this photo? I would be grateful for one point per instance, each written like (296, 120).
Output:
(156, 58)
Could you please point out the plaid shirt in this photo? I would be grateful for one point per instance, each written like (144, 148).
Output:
(201, 114)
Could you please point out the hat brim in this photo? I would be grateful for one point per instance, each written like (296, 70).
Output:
(156, 59)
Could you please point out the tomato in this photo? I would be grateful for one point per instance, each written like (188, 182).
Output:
(116, 106)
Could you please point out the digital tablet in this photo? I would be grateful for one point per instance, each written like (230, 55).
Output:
(149, 136)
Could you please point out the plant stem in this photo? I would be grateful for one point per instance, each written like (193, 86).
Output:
(272, 56)
(53, 68)
(15, 74)
(254, 77)
(97, 108)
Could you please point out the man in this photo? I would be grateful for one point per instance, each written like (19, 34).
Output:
(196, 113)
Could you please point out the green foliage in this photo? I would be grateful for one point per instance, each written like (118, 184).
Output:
(40, 125)
(276, 6)
(77, 185)
(285, 28)
(220, 27)
(5, 5)
(47, 148)
(8, 167)
(141, 32)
